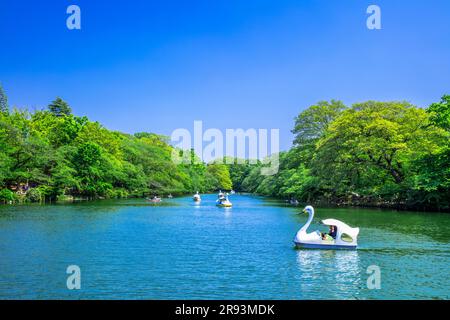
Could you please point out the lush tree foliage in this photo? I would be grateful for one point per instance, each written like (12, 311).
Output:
(440, 113)
(311, 124)
(60, 108)
(433, 178)
(219, 177)
(51, 154)
(374, 153)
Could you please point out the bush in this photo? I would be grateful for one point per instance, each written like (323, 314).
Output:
(7, 196)
(116, 193)
(34, 195)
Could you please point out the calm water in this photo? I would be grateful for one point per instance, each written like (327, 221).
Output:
(129, 249)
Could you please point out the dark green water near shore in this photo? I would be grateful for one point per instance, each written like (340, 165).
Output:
(129, 249)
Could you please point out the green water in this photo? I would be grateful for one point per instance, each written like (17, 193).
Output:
(129, 249)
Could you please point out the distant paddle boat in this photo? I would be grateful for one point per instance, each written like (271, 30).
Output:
(155, 199)
(197, 197)
(345, 237)
(222, 200)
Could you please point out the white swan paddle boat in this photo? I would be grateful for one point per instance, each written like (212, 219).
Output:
(155, 199)
(197, 197)
(346, 236)
(223, 201)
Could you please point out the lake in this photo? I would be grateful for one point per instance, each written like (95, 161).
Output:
(130, 249)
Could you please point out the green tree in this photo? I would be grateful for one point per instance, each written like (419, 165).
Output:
(433, 169)
(219, 176)
(440, 113)
(370, 147)
(7, 196)
(239, 170)
(60, 108)
(3, 100)
(311, 124)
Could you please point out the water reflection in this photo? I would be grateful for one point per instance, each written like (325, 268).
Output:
(348, 277)
(330, 272)
(227, 211)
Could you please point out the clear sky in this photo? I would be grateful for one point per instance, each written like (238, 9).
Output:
(159, 65)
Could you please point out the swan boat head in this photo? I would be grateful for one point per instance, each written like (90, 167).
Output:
(309, 210)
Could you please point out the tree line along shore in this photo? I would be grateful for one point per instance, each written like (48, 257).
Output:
(384, 154)
(377, 154)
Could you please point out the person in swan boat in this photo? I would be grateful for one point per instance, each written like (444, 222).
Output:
(331, 235)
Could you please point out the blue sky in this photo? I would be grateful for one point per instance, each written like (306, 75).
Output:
(159, 65)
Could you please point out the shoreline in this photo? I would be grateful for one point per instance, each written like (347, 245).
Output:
(284, 202)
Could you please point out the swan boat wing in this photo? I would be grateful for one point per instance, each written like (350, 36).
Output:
(342, 228)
